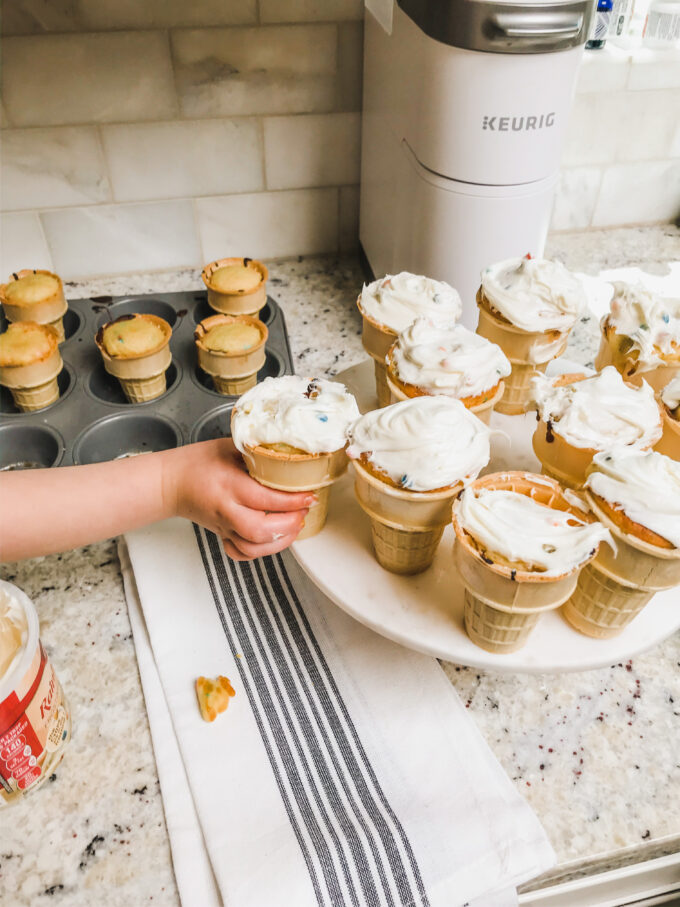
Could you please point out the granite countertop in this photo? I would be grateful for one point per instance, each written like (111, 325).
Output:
(593, 752)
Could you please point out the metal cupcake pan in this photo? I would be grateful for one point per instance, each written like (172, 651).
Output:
(92, 421)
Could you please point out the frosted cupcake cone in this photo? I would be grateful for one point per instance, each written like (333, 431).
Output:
(141, 374)
(233, 369)
(618, 350)
(504, 599)
(32, 381)
(24, 299)
(233, 298)
(377, 339)
(482, 407)
(529, 353)
(406, 526)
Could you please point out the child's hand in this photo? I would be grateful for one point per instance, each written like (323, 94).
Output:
(209, 484)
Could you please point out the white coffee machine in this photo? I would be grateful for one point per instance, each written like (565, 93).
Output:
(465, 112)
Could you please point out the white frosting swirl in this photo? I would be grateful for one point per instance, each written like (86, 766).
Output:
(13, 632)
(535, 294)
(601, 412)
(422, 443)
(309, 413)
(445, 358)
(396, 300)
(646, 486)
(524, 531)
(650, 321)
(670, 395)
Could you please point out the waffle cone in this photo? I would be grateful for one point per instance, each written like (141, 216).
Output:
(30, 399)
(34, 386)
(404, 551)
(481, 410)
(232, 373)
(141, 390)
(142, 377)
(502, 602)
(234, 387)
(245, 303)
(48, 311)
(669, 444)
(602, 607)
(615, 349)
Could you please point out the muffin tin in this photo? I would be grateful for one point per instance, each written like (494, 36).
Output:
(92, 421)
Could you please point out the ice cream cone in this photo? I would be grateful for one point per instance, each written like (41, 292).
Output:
(232, 373)
(617, 350)
(142, 377)
(241, 302)
(618, 584)
(482, 409)
(49, 311)
(406, 526)
(377, 340)
(34, 386)
(529, 354)
(298, 472)
(670, 440)
(503, 602)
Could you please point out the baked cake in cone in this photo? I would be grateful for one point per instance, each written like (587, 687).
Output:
(431, 357)
(231, 349)
(641, 336)
(636, 495)
(136, 351)
(527, 306)
(580, 415)
(391, 304)
(35, 295)
(669, 399)
(30, 363)
(410, 461)
(236, 286)
(292, 434)
(520, 543)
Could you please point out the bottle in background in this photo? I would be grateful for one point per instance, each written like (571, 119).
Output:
(620, 19)
(662, 25)
(598, 36)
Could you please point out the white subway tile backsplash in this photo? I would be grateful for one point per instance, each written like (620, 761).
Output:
(638, 192)
(605, 69)
(652, 69)
(26, 17)
(310, 10)
(596, 124)
(109, 239)
(22, 244)
(186, 158)
(575, 198)
(104, 14)
(348, 238)
(648, 126)
(88, 78)
(246, 71)
(46, 168)
(269, 224)
(321, 150)
(350, 65)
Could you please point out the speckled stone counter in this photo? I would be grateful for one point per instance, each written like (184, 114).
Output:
(594, 753)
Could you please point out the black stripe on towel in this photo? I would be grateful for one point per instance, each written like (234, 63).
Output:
(286, 668)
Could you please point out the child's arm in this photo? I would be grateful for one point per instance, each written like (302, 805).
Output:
(48, 510)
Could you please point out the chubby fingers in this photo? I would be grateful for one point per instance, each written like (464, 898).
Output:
(240, 549)
(261, 528)
(258, 497)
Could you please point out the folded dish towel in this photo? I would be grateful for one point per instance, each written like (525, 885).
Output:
(345, 771)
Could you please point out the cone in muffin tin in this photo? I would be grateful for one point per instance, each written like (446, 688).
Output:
(529, 354)
(232, 373)
(142, 377)
(616, 585)
(301, 471)
(406, 526)
(49, 311)
(503, 603)
(377, 339)
(617, 350)
(34, 386)
(243, 302)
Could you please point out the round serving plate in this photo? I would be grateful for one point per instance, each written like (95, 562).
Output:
(425, 612)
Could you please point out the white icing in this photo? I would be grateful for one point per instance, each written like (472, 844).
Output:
(535, 294)
(670, 395)
(600, 412)
(280, 411)
(422, 443)
(646, 486)
(524, 531)
(651, 321)
(446, 358)
(396, 300)
(13, 632)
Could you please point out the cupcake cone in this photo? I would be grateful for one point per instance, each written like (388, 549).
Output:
(529, 354)
(242, 302)
(619, 583)
(377, 340)
(34, 386)
(503, 603)
(232, 373)
(616, 349)
(406, 526)
(48, 311)
(142, 377)
(481, 410)
(559, 459)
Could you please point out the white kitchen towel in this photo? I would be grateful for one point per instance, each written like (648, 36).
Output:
(346, 770)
